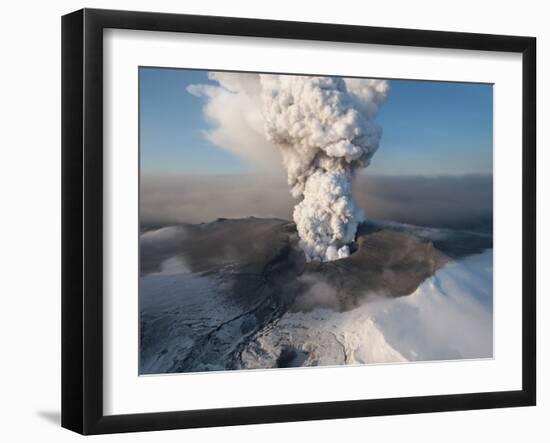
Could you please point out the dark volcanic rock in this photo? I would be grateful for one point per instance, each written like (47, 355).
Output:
(260, 253)
(224, 245)
(239, 246)
(386, 263)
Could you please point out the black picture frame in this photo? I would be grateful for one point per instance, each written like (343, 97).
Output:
(82, 220)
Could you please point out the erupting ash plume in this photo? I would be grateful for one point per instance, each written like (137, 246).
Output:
(325, 133)
(324, 128)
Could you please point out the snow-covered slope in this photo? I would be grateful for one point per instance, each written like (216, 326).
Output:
(449, 316)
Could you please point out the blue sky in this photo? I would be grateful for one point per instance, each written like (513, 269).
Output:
(430, 128)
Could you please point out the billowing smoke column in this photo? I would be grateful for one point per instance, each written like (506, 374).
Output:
(323, 126)
(325, 131)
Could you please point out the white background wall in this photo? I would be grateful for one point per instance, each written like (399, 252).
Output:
(30, 218)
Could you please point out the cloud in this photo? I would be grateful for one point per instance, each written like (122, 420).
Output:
(454, 202)
(235, 110)
(447, 201)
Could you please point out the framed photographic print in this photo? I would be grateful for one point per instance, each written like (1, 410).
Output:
(269, 221)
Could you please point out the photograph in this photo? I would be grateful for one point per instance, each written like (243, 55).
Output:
(301, 220)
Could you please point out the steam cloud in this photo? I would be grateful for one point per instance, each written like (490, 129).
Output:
(324, 138)
(324, 128)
